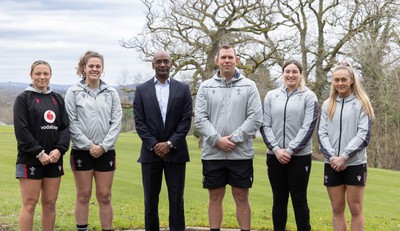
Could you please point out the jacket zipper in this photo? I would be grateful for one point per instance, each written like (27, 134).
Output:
(284, 121)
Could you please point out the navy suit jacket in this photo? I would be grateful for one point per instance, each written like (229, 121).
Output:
(149, 124)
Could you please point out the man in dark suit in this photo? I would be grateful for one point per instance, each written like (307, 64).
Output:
(163, 114)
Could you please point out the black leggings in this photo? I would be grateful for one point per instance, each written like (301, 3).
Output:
(290, 178)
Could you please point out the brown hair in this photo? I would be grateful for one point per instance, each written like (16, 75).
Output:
(302, 82)
(226, 47)
(39, 62)
(83, 61)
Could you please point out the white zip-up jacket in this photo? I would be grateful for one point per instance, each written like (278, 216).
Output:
(348, 133)
(289, 120)
(225, 108)
(94, 118)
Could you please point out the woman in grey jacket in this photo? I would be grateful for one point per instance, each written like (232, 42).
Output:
(290, 115)
(95, 115)
(344, 132)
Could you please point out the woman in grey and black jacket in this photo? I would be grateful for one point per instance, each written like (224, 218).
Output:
(95, 114)
(344, 132)
(290, 115)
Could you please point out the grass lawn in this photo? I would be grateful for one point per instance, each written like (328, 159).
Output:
(382, 196)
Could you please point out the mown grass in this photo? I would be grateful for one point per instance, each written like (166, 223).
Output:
(382, 197)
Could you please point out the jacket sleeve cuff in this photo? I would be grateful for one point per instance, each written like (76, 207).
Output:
(216, 140)
(61, 150)
(233, 139)
(276, 148)
(345, 156)
(105, 148)
(290, 151)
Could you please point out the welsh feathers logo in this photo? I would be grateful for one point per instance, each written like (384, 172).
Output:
(49, 116)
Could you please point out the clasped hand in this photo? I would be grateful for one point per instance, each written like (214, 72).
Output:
(283, 156)
(96, 150)
(225, 144)
(162, 150)
(338, 163)
(52, 157)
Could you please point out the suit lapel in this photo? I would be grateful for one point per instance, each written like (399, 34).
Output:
(153, 96)
(173, 88)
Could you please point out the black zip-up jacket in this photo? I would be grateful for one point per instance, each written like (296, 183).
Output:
(40, 123)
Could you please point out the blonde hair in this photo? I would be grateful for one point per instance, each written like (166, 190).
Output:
(39, 62)
(83, 61)
(302, 82)
(356, 87)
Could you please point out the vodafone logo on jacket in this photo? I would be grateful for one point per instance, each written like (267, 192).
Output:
(49, 116)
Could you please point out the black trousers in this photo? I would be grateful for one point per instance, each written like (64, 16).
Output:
(152, 179)
(290, 178)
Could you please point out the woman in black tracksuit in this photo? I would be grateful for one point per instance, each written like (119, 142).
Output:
(41, 130)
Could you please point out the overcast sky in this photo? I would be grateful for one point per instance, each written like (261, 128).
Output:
(61, 31)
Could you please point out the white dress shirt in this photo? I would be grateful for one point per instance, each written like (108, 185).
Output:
(162, 92)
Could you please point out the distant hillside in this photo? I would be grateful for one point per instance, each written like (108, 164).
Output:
(19, 87)
(10, 90)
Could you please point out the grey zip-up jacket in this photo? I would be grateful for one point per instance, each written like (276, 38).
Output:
(94, 118)
(289, 120)
(224, 108)
(348, 134)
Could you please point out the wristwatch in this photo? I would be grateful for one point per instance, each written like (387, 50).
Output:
(171, 146)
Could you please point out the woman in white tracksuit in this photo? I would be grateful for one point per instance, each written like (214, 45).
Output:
(290, 115)
(344, 132)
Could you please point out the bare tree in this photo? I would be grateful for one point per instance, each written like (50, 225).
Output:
(325, 27)
(267, 32)
(192, 31)
(376, 52)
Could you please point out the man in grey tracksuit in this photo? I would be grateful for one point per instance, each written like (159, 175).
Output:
(228, 114)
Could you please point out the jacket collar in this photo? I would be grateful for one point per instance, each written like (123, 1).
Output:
(156, 80)
(348, 98)
(235, 78)
(102, 85)
(31, 88)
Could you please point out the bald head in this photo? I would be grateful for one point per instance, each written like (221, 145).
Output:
(162, 65)
(161, 53)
